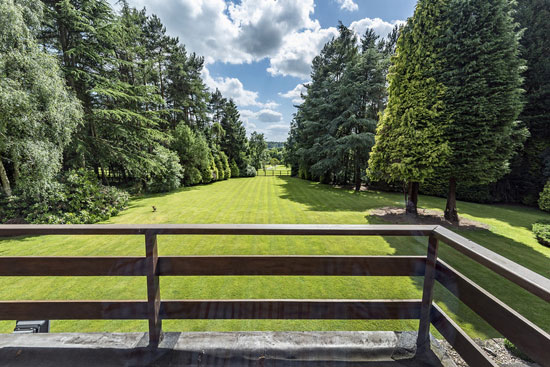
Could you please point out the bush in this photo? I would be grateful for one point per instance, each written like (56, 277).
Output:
(78, 199)
(168, 172)
(192, 176)
(219, 167)
(541, 230)
(225, 166)
(235, 172)
(214, 173)
(544, 198)
(250, 171)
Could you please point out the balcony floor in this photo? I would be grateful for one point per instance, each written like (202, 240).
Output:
(384, 348)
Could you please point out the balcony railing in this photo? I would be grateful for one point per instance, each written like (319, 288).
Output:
(530, 338)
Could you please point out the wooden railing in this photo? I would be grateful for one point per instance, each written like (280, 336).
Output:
(274, 172)
(523, 333)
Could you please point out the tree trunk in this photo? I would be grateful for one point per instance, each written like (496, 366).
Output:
(412, 201)
(357, 174)
(4, 179)
(451, 213)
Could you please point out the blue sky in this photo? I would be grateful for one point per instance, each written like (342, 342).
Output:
(258, 52)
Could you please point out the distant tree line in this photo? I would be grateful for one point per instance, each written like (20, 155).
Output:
(436, 107)
(84, 89)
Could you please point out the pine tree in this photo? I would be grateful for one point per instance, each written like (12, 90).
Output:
(83, 34)
(234, 143)
(361, 95)
(531, 169)
(481, 72)
(410, 141)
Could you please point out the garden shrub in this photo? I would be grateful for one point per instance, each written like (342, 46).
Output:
(225, 166)
(235, 172)
(192, 176)
(541, 230)
(250, 171)
(78, 198)
(168, 173)
(544, 198)
(219, 166)
(214, 174)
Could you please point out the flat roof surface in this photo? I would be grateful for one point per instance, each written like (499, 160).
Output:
(370, 348)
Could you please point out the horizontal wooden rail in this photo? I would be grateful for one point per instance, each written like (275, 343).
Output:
(527, 279)
(216, 265)
(459, 340)
(293, 265)
(333, 309)
(217, 229)
(292, 309)
(523, 333)
(73, 310)
(72, 266)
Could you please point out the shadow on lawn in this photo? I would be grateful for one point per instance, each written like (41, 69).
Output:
(325, 198)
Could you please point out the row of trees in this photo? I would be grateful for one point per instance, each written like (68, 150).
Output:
(454, 94)
(83, 88)
(333, 130)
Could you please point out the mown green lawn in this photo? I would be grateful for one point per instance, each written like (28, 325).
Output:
(281, 200)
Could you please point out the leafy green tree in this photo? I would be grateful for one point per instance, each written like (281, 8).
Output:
(37, 112)
(257, 147)
(481, 72)
(193, 153)
(410, 142)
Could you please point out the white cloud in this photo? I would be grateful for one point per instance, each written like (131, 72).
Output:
(228, 31)
(381, 27)
(267, 115)
(295, 94)
(277, 132)
(233, 88)
(295, 56)
(276, 129)
(282, 31)
(348, 5)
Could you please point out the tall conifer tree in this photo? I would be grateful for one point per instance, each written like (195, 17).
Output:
(481, 72)
(410, 141)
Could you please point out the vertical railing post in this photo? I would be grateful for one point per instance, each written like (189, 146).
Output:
(153, 289)
(423, 341)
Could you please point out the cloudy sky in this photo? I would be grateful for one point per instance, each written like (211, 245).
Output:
(259, 52)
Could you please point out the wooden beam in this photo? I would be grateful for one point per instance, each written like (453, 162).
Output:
(72, 266)
(293, 265)
(217, 229)
(153, 289)
(336, 309)
(460, 341)
(528, 279)
(73, 310)
(423, 340)
(528, 337)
